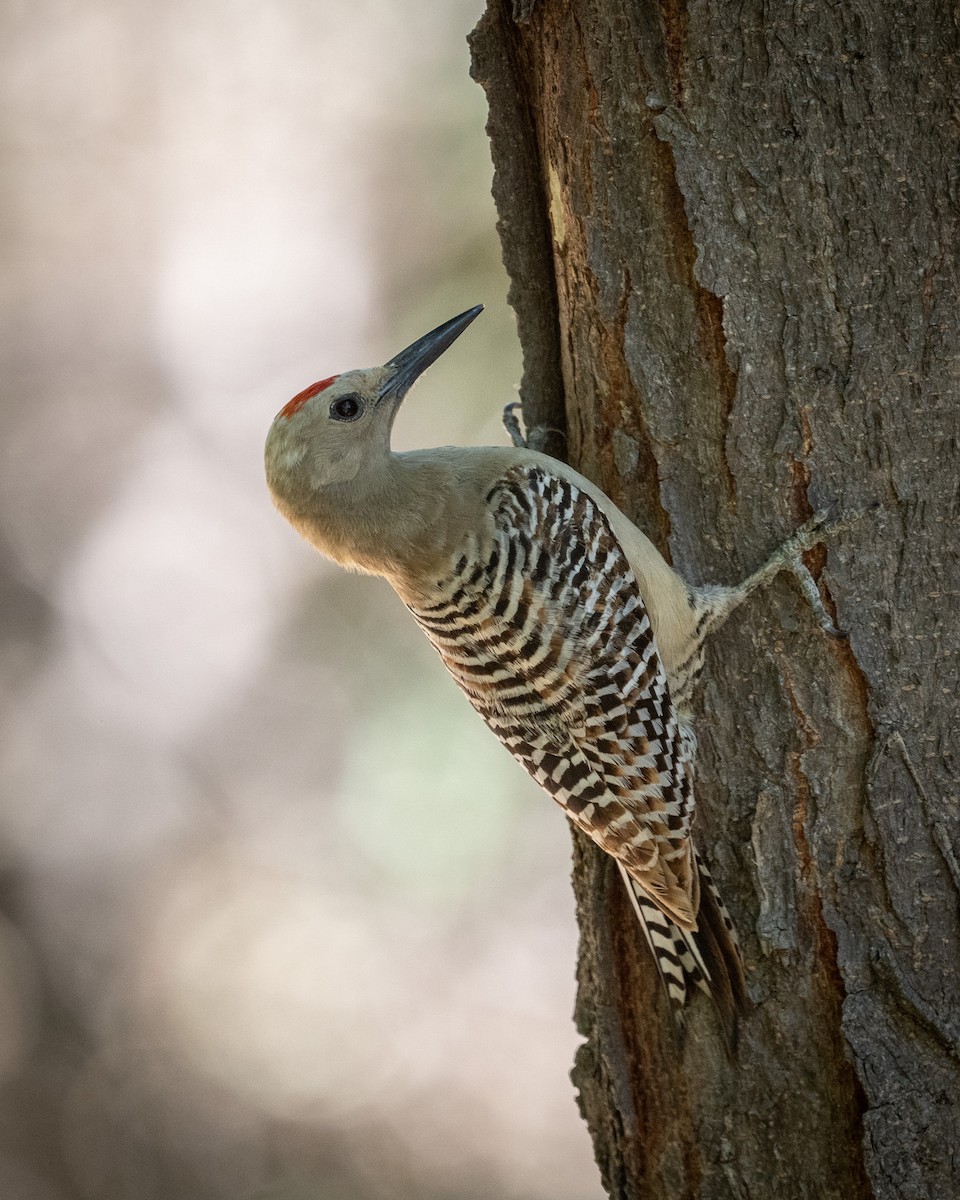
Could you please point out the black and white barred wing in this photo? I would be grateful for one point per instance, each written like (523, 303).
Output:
(547, 635)
(545, 631)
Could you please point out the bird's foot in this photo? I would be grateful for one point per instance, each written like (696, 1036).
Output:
(721, 602)
(789, 558)
(539, 437)
(511, 422)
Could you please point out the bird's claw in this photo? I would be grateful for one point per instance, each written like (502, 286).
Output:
(512, 425)
(827, 520)
(538, 436)
(808, 586)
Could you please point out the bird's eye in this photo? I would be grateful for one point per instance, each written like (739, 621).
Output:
(347, 408)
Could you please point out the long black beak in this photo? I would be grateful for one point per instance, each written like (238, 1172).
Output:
(407, 366)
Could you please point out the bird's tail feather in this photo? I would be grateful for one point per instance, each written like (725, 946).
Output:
(708, 957)
(718, 939)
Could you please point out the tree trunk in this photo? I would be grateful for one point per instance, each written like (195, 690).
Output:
(731, 234)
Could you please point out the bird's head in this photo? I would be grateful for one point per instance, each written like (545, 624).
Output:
(339, 428)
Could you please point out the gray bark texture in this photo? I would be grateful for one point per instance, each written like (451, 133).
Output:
(731, 231)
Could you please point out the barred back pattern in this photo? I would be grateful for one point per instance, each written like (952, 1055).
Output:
(543, 627)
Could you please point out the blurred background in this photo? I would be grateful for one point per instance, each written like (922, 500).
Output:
(278, 918)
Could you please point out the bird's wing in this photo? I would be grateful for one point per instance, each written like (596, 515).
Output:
(548, 636)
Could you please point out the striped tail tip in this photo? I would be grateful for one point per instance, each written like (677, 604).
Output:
(708, 958)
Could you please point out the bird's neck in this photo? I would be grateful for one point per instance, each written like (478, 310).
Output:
(387, 521)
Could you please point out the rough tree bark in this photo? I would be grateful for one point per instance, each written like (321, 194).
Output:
(731, 234)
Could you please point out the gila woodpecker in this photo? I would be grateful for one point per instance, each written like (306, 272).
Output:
(565, 627)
